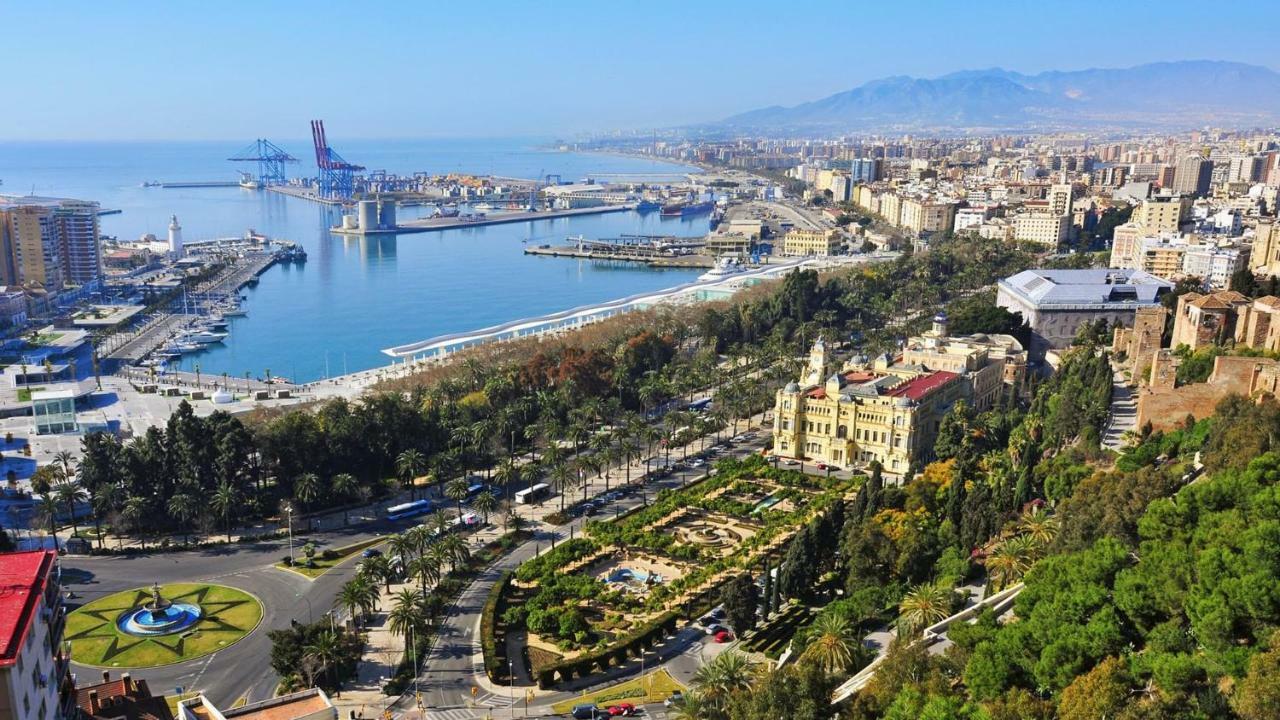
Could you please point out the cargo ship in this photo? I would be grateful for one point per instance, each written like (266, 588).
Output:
(648, 206)
(696, 208)
(675, 209)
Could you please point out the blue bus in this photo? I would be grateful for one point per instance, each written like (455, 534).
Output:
(699, 405)
(409, 509)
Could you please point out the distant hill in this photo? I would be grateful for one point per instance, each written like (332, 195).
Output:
(1157, 94)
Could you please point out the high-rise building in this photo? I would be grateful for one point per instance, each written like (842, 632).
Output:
(32, 258)
(864, 170)
(33, 661)
(1060, 199)
(46, 243)
(76, 227)
(1192, 176)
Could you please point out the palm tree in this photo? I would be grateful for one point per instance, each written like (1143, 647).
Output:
(410, 464)
(456, 490)
(184, 508)
(1011, 559)
(344, 486)
(67, 461)
(306, 488)
(729, 672)
(922, 606)
(378, 569)
(69, 493)
(486, 503)
(325, 651)
(834, 645)
(47, 514)
(1037, 524)
(425, 567)
(353, 596)
(403, 545)
(454, 549)
(224, 500)
(135, 516)
(629, 448)
(105, 499)
(507, 473)
(563, 477)
(407, 614)
(694, 706)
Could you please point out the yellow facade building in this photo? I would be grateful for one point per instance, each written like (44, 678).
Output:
(863, 414)
(801, 243)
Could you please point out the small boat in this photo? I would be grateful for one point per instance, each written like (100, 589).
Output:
(233, 311)
(484, 207)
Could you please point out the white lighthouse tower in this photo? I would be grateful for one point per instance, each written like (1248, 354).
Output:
(175, 237)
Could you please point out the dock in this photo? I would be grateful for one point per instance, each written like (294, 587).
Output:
(656, 261)
(199, 184)
(304, 193)
(452, 223)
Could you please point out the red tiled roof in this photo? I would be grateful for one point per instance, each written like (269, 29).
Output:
(816, 393)
(918, 387)
(22, 584)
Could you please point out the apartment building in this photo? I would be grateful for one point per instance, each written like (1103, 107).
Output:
(33, 661)
(1192, 176)
(925, 216)
(1162, 214)
(1043, 228)
(48, 243)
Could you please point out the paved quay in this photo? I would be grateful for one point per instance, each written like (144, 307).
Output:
(451, 223)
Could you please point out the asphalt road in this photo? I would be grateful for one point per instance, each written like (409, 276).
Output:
(242, 669)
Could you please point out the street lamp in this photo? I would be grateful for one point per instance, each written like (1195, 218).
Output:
(511, 680)
(288, 511)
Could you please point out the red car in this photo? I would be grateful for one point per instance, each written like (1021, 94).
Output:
(723, 636)
(822, 466)
(622, 709)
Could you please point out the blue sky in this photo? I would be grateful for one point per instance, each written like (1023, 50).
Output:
(228, 69)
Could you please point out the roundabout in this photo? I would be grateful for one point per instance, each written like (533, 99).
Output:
(160, 625)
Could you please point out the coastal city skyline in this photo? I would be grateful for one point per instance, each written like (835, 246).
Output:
(716, 361)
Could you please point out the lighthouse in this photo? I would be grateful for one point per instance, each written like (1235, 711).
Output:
(175, 237)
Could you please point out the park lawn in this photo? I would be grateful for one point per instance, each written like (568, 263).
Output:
(652, 688)
(229, 615)
(323, 566)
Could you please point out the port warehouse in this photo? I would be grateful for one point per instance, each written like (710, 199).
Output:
(443, 345)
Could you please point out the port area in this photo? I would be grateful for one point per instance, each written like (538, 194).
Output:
(650, 250)
(303, 193)
(450, 223)
(161, 327)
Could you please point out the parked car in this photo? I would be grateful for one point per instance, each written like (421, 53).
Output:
(371, 553)
(723, 636)
(790, 462)
(586, 711)
(715, 629)
(706, 620)
(622, 709)
(717, 613)
(675, 698)
(822, 466)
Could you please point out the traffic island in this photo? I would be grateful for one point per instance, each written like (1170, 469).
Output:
(160, 625)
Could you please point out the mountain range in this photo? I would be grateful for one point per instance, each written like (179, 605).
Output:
(1184, 93)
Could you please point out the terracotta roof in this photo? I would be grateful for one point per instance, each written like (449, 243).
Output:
(122, 699)
(22, 583)
(288, 707)
(919, 387)
(1270, 301)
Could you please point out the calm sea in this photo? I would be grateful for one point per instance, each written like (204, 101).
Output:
(355, 296)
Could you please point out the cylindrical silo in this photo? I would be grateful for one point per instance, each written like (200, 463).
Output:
(368, 214)
(387, 215)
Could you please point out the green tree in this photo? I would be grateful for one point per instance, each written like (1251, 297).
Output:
(740, 599)
(456, 490)
(486, 503)
(408, 614)
(344, 487)
(834, 646)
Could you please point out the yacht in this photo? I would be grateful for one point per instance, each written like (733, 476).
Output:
(233, 311)
(202, 337)
(725, 268)
(483, 207)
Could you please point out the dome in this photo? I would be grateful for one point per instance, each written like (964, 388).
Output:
(792, 387)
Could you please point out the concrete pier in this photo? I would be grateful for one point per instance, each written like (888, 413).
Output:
(451, 223)
(657, 261)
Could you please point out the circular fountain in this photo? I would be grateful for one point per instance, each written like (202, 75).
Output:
(159, 617)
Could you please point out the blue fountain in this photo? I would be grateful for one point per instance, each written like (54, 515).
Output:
(159, 617)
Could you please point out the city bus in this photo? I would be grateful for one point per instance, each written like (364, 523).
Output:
(533, 494)
(700, 405)
(409, 509)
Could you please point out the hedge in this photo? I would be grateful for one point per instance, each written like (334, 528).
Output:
(633, 643)
(495, 655)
